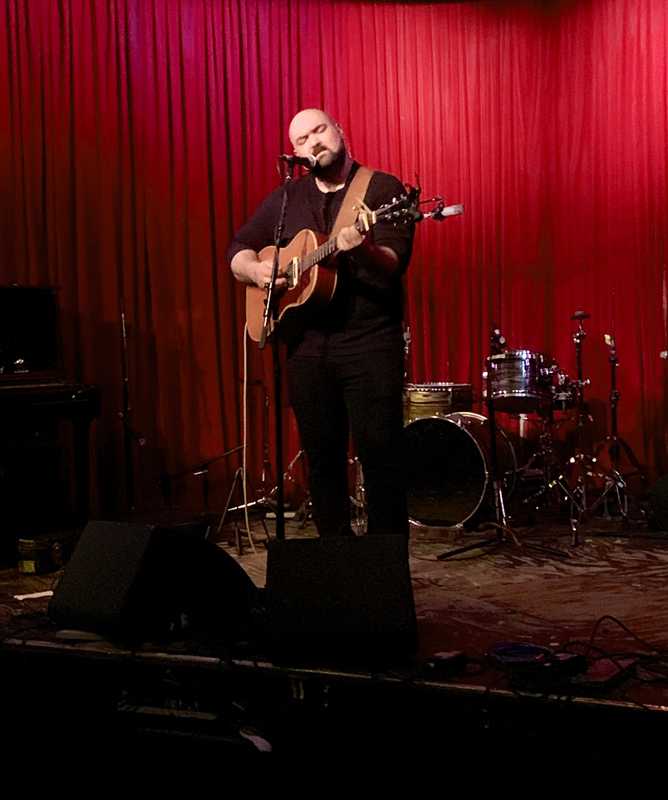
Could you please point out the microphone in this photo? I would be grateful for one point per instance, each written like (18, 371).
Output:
(303, 161)
(441, 211)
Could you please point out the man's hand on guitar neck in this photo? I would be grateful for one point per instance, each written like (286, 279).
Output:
(377, 256)
(248, 268)
(349, 238)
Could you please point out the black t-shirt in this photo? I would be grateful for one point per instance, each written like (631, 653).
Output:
(366, 311)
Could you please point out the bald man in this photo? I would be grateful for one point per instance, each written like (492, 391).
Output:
(345, 370)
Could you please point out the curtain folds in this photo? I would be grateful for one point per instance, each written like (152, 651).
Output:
(140, 133)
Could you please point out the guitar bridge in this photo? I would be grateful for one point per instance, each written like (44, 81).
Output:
(292, 272)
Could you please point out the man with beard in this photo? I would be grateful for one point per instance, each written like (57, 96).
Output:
(345, 370)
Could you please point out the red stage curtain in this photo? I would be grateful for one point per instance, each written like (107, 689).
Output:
(137, 134)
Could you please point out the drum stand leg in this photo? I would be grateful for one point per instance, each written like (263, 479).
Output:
(615, 486)
(357, 503)
(358, 499)
(505, 534)
(543, 463)
(614, 489)
(305, 511)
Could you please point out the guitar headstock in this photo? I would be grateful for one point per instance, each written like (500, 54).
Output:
(406, 209)
(402, 209)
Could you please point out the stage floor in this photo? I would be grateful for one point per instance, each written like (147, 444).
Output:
(605, 597)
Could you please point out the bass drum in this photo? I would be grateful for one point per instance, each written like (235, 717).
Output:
(449, 464)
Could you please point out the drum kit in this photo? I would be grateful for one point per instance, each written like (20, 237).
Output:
(464, 466)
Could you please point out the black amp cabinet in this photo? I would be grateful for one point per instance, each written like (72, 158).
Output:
(45, 418)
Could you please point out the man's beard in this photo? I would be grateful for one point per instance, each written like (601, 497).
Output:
(333, 168)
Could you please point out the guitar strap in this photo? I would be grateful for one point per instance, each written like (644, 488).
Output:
(348, 213)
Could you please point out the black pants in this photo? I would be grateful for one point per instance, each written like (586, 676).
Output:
(332, 396)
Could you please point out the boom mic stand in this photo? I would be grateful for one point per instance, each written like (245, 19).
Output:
(269, 326)
(201, 470)
(130, 435)
(266, 497)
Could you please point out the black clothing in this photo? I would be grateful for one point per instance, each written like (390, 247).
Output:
(331, 394)
(366, 311)
(345, 373)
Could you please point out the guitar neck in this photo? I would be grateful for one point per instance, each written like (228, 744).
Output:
(329, 247)
(315, 257)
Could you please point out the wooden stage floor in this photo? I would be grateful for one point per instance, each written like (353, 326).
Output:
(604, 598)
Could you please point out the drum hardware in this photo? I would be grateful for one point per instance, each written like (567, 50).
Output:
(542, 467)
(407, 349)
(578, 338)
(448, 478)
(615, 480)
(564, 392)
(582, 466)
(358, 498)
(587, 472)
(520, 381)
(504, 531)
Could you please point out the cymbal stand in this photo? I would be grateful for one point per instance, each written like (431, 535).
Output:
(586, 466)
(615, 480)
(581, 464)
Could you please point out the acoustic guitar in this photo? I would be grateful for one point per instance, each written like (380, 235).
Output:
(308, 262)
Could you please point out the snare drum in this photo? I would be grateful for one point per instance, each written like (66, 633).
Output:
(520, 381)
(436, 399)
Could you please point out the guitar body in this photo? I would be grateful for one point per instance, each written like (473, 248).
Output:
(311, 284)
(307, 293)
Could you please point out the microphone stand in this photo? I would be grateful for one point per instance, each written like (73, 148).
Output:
(269, 326)
(130, 435)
